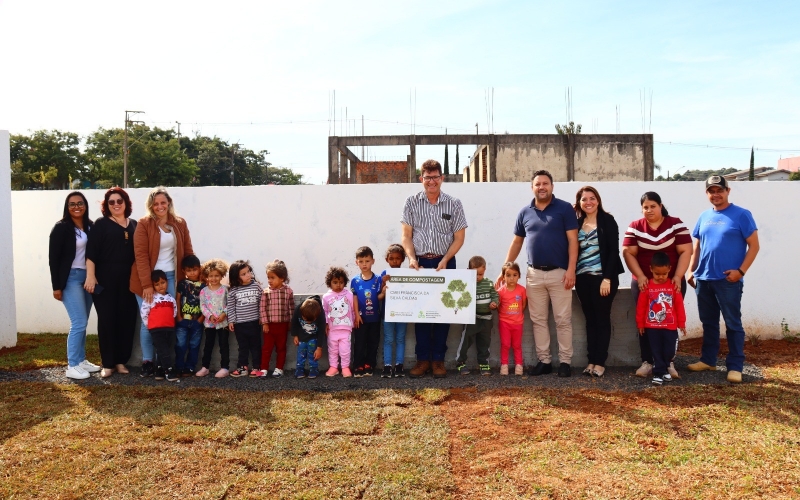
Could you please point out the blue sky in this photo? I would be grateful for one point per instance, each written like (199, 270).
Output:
(720, 73)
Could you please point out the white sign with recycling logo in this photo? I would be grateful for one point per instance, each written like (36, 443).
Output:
(430, 296)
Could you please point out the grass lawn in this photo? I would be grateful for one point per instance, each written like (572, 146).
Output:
(70, 441)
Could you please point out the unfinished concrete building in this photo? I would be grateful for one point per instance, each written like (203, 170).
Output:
(505, 158)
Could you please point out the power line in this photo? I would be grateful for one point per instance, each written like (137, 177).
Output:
(709, 146)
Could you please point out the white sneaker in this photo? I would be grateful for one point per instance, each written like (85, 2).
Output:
(77, 373)
(89, 367)
(277, 373)
(645, 370)
(667, 377)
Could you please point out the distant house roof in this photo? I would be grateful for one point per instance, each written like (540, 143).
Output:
(774, 175)
(743, 175)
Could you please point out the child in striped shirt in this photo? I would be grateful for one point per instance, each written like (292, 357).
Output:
(480, 333)
(243, 318)
(277, 303)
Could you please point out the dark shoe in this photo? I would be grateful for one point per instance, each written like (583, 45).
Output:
(462, 369)
(420, 369)
(148, 369)
(159, 373)
(358, 372)
(187, 372)
(299, 373)
(313, 373)
(485, 370)
(368, 370)
(387, 371)
(542, 369)
(564, 370)
(439, 370)
(398, 370)
(172, 375)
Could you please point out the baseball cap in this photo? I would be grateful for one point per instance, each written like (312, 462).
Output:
(716, 180)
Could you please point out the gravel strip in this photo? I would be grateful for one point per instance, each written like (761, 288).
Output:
(615, 379)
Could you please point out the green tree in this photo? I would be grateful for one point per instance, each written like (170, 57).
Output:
(752, 175)
(794, 176)
(568, 129)
(46, 159)
(103, 158)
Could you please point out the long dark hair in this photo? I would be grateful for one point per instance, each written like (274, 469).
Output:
(578, 210)
(653, 196)
(235, 269)
(87, 222)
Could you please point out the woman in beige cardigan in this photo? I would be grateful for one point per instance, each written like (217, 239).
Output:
(160, 242)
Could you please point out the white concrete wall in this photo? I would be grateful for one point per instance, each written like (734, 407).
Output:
(8, 310)
(314, 227)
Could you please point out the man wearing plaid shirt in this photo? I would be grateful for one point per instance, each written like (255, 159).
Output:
(276, 309)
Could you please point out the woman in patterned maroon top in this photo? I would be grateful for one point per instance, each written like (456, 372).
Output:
(655, 232)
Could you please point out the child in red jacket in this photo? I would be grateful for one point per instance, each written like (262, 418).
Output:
(660, 311)
(159, 316)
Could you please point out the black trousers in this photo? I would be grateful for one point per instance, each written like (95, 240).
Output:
(212, 334)
(644, 341)
(664, 345)
(248, 336)
(597, 310)
(117, 312)
(162, 341)
(365, 344)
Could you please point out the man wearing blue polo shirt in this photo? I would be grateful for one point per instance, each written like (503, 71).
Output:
(726, 244)
(551, 228)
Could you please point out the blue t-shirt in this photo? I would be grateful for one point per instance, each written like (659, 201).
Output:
(366, 292)
(546, 232)
(722, 236)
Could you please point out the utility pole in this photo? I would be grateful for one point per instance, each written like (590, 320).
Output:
(179, 131)
(233, 159)
(126, 149)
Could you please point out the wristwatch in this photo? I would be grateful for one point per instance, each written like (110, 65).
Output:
(740, 271)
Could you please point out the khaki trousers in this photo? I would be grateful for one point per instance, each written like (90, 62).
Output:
(543, 288)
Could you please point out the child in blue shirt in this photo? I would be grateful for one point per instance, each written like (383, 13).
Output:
(394, 334)
(366, 286)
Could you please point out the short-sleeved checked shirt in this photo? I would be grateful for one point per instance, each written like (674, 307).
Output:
(434, 224)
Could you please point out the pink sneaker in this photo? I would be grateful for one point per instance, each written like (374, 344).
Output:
(346, 372)
(222, 373)
(202, 372)
(332, 372)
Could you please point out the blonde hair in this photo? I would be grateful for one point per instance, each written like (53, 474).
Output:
(151, 199)
(217, 265)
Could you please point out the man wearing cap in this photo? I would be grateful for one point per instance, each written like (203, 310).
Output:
(434, 227)
(726, 244)
(551, 228)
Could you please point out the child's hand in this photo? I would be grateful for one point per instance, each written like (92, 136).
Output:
(296, 341)
(213, 320)
(493, 306)
(317, 353)
(358, 321)
(385, 278)
(265, 328)
(682, 331)
(230, 326)
(641, 331)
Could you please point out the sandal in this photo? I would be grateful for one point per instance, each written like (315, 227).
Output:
(588, 371)
(598, 371)
(106, 372)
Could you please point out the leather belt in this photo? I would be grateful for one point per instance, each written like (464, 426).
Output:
(429, 256)
(544, 268)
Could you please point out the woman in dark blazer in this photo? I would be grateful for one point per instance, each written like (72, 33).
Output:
(109, 261)
(597, 274)
(67, 256)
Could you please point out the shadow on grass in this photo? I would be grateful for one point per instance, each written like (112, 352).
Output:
(43, 350)
(26, 405)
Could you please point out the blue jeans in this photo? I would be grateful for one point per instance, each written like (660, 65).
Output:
(144, 334)
(394, 334)
(78, 303)
(305, 351)
(188, 334)
(432, 337)
(715, 297)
